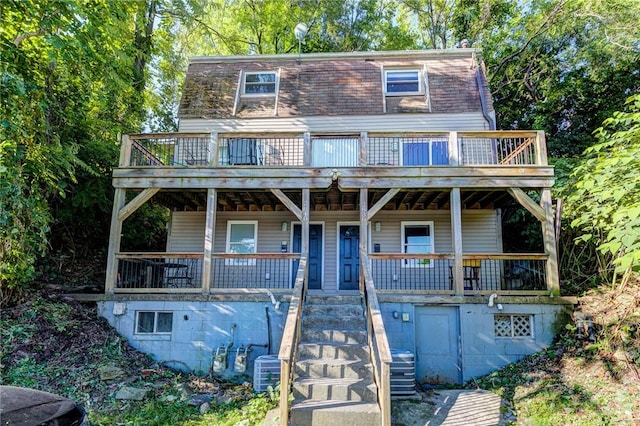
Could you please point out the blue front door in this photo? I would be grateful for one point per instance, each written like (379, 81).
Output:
(315, 254)
(349, 257)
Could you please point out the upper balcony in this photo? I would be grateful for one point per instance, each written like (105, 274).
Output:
(466, 159)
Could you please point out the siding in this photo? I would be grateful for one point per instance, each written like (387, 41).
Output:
(480, 232)
(354, 124)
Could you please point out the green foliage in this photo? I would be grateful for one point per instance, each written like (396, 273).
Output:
(605, 200)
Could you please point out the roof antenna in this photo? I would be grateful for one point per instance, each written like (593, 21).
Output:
(300, 31)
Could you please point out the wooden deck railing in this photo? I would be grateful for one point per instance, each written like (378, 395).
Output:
(410, 149)
(290, 339)
(378, 344)
(502, 273)
(182, 272)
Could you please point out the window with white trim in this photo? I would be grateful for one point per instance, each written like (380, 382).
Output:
(402, 82)
(242, 238)
(513, 325)
(417, 238)
(259, 83)
(154, 322)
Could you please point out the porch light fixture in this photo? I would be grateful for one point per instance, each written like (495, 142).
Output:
(284, 226)
(377, 226)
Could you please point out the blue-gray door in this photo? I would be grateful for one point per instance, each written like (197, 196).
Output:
(425, 153)
(349, 257)
(438, 345)
(315, 254)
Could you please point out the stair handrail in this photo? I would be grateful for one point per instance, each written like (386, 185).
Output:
(377, 339)
(290, 339)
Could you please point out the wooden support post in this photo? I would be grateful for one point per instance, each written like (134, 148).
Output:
(364, 228)
(382, 202)
(125, 151)
(306, 203)
(214, 149)
(285, 369)
(454, 149)
(456, 232)
(306, 149)
(115, 236)
(364, 149)
(549, 238)
(209, 238)
(541, 149)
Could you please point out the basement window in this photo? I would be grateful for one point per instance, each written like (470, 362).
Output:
(513, 325)
(402, 82)
(259, 83)
(154, 322)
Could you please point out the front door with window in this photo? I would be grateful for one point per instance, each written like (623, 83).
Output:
(349, 257)
(314, 262)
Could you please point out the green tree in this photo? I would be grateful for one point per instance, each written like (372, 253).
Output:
(605, 199)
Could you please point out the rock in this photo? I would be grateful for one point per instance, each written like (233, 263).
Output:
(244, 422)
(129, 393)
(110, 372)
(204, 408)
(223, 399)
(183, 389)
(200, 398)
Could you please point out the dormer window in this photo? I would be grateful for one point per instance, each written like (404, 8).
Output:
(402, 82)
(259, 83)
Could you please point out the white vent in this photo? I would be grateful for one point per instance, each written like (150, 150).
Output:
(403, 374)
(266, 372)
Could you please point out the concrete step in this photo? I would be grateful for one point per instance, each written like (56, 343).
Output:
(334, 322)
(338, 413)
(316, 299)
(336, 310)
(335, 389)
(348, 352)
(322, 334)
(334, 368)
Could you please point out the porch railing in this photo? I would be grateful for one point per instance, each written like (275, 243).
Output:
(419, 149)
(377, 339)
(290, 339)
(182, 272)
(433, 273)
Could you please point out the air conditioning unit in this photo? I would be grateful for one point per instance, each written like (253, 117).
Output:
(266, 372)
(403, 374)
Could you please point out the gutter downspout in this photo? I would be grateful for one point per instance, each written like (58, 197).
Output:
(483, 99)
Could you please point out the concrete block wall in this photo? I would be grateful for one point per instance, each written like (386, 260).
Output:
(199, 328)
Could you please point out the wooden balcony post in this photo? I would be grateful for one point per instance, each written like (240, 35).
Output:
(453, 149)
(306, 203)
(214, 149)
(115, 236)
(364, 149)
(209, 237)
(125, 151)
(549, 238)
(306, 149)
(364, 206)
(455, 204)
(541, 149)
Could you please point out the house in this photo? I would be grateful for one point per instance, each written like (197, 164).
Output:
(336, 210)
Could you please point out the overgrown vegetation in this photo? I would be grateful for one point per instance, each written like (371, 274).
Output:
(58, 345)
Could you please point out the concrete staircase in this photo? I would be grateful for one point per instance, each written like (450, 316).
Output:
(333, 379)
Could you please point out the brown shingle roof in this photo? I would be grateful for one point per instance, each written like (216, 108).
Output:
(331, 85)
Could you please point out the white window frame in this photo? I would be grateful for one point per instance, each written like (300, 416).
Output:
(155, 323)
(392, 71)
(241, 262)
(269, 94)
(511, 328)
(414, 263)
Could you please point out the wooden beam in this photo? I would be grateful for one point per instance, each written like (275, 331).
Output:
(125, 151)
(288, 203)
(115, 236)
(381, 202)
(364, 149)
(549, 238)
(484, 182)
(456, 233)
(454, 150)
(209, 238)
(526, 202)
(136, 203)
